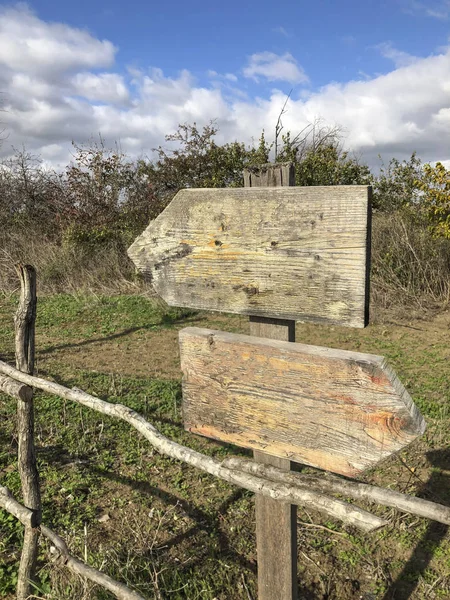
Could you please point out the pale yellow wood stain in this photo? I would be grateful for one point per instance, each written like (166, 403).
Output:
(298, 253)
(332, 409)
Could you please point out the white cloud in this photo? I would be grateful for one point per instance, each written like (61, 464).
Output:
(281, 30)
(398, 57)
(47, 106)
(105, 87)
(30, 45)
(227, 76)
(275, 67)
(440, 11)
(437, 9)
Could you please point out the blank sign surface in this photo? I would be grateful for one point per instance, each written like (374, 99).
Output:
(298, 253)
(332, 409)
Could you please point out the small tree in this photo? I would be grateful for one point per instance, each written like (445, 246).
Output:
(111, 197)
(435, 201)
(197, 161)
(30, 196)
(397, 184)
(320, 158)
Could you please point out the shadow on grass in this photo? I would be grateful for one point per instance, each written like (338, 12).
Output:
(437, 490)
(204, 521)
(165, 322)
(210, 524)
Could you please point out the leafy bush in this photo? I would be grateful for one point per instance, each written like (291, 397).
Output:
(75, 225)
(396, 186)
(320, 159)
(435, 202)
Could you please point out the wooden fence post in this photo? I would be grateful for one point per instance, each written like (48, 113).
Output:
(24, 342)
(276, 522)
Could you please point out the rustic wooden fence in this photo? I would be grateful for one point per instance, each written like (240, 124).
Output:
(286, 487)
(277, 487)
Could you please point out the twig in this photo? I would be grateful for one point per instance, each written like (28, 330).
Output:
(313, 562)
(61, 552)
(244, 584)
(279, 126)
(316, 526)
(291, 493)
(420, 480)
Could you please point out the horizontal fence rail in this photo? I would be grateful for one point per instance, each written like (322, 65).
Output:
(305, 490)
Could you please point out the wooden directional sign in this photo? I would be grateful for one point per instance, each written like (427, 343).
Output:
(288, 253)
(332, 409)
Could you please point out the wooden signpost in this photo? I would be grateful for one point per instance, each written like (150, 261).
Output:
(298, 253)
(276, 522)
(278, 254)
(332, 409)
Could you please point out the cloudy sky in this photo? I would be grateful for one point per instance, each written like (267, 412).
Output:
(131, 71)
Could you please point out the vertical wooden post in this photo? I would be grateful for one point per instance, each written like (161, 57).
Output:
(276, 522)
(25, 325)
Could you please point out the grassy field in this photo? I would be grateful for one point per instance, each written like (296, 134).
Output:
(169, 530)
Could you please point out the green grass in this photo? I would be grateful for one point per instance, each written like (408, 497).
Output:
(171, 531)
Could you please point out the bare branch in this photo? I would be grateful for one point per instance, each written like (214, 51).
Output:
(121, 591)
(15, 389)
(279, 125)
(331, 484)
(27, 517)
(348, 513)
(24, 320)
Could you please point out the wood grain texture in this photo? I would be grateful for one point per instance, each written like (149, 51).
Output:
(276, 522)
(308, 498)
(270, 175)
(297, 253)
(332, 409)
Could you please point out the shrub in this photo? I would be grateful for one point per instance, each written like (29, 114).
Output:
(410, 267)
(435, 201)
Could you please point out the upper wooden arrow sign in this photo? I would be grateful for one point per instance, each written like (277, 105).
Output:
(299, 253)
(332, 409)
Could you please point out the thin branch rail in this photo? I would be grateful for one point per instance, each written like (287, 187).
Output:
(309, 498)
(233, 469)
(330, 484)
(15, 389)
(28, 518)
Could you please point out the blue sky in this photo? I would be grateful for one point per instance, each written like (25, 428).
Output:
(133, 70)
(333, 40)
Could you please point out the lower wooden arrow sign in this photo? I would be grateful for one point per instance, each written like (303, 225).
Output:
(332, 409)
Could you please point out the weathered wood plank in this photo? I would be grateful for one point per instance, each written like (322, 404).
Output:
(332, 409)
(296, 253)
(270, 175)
